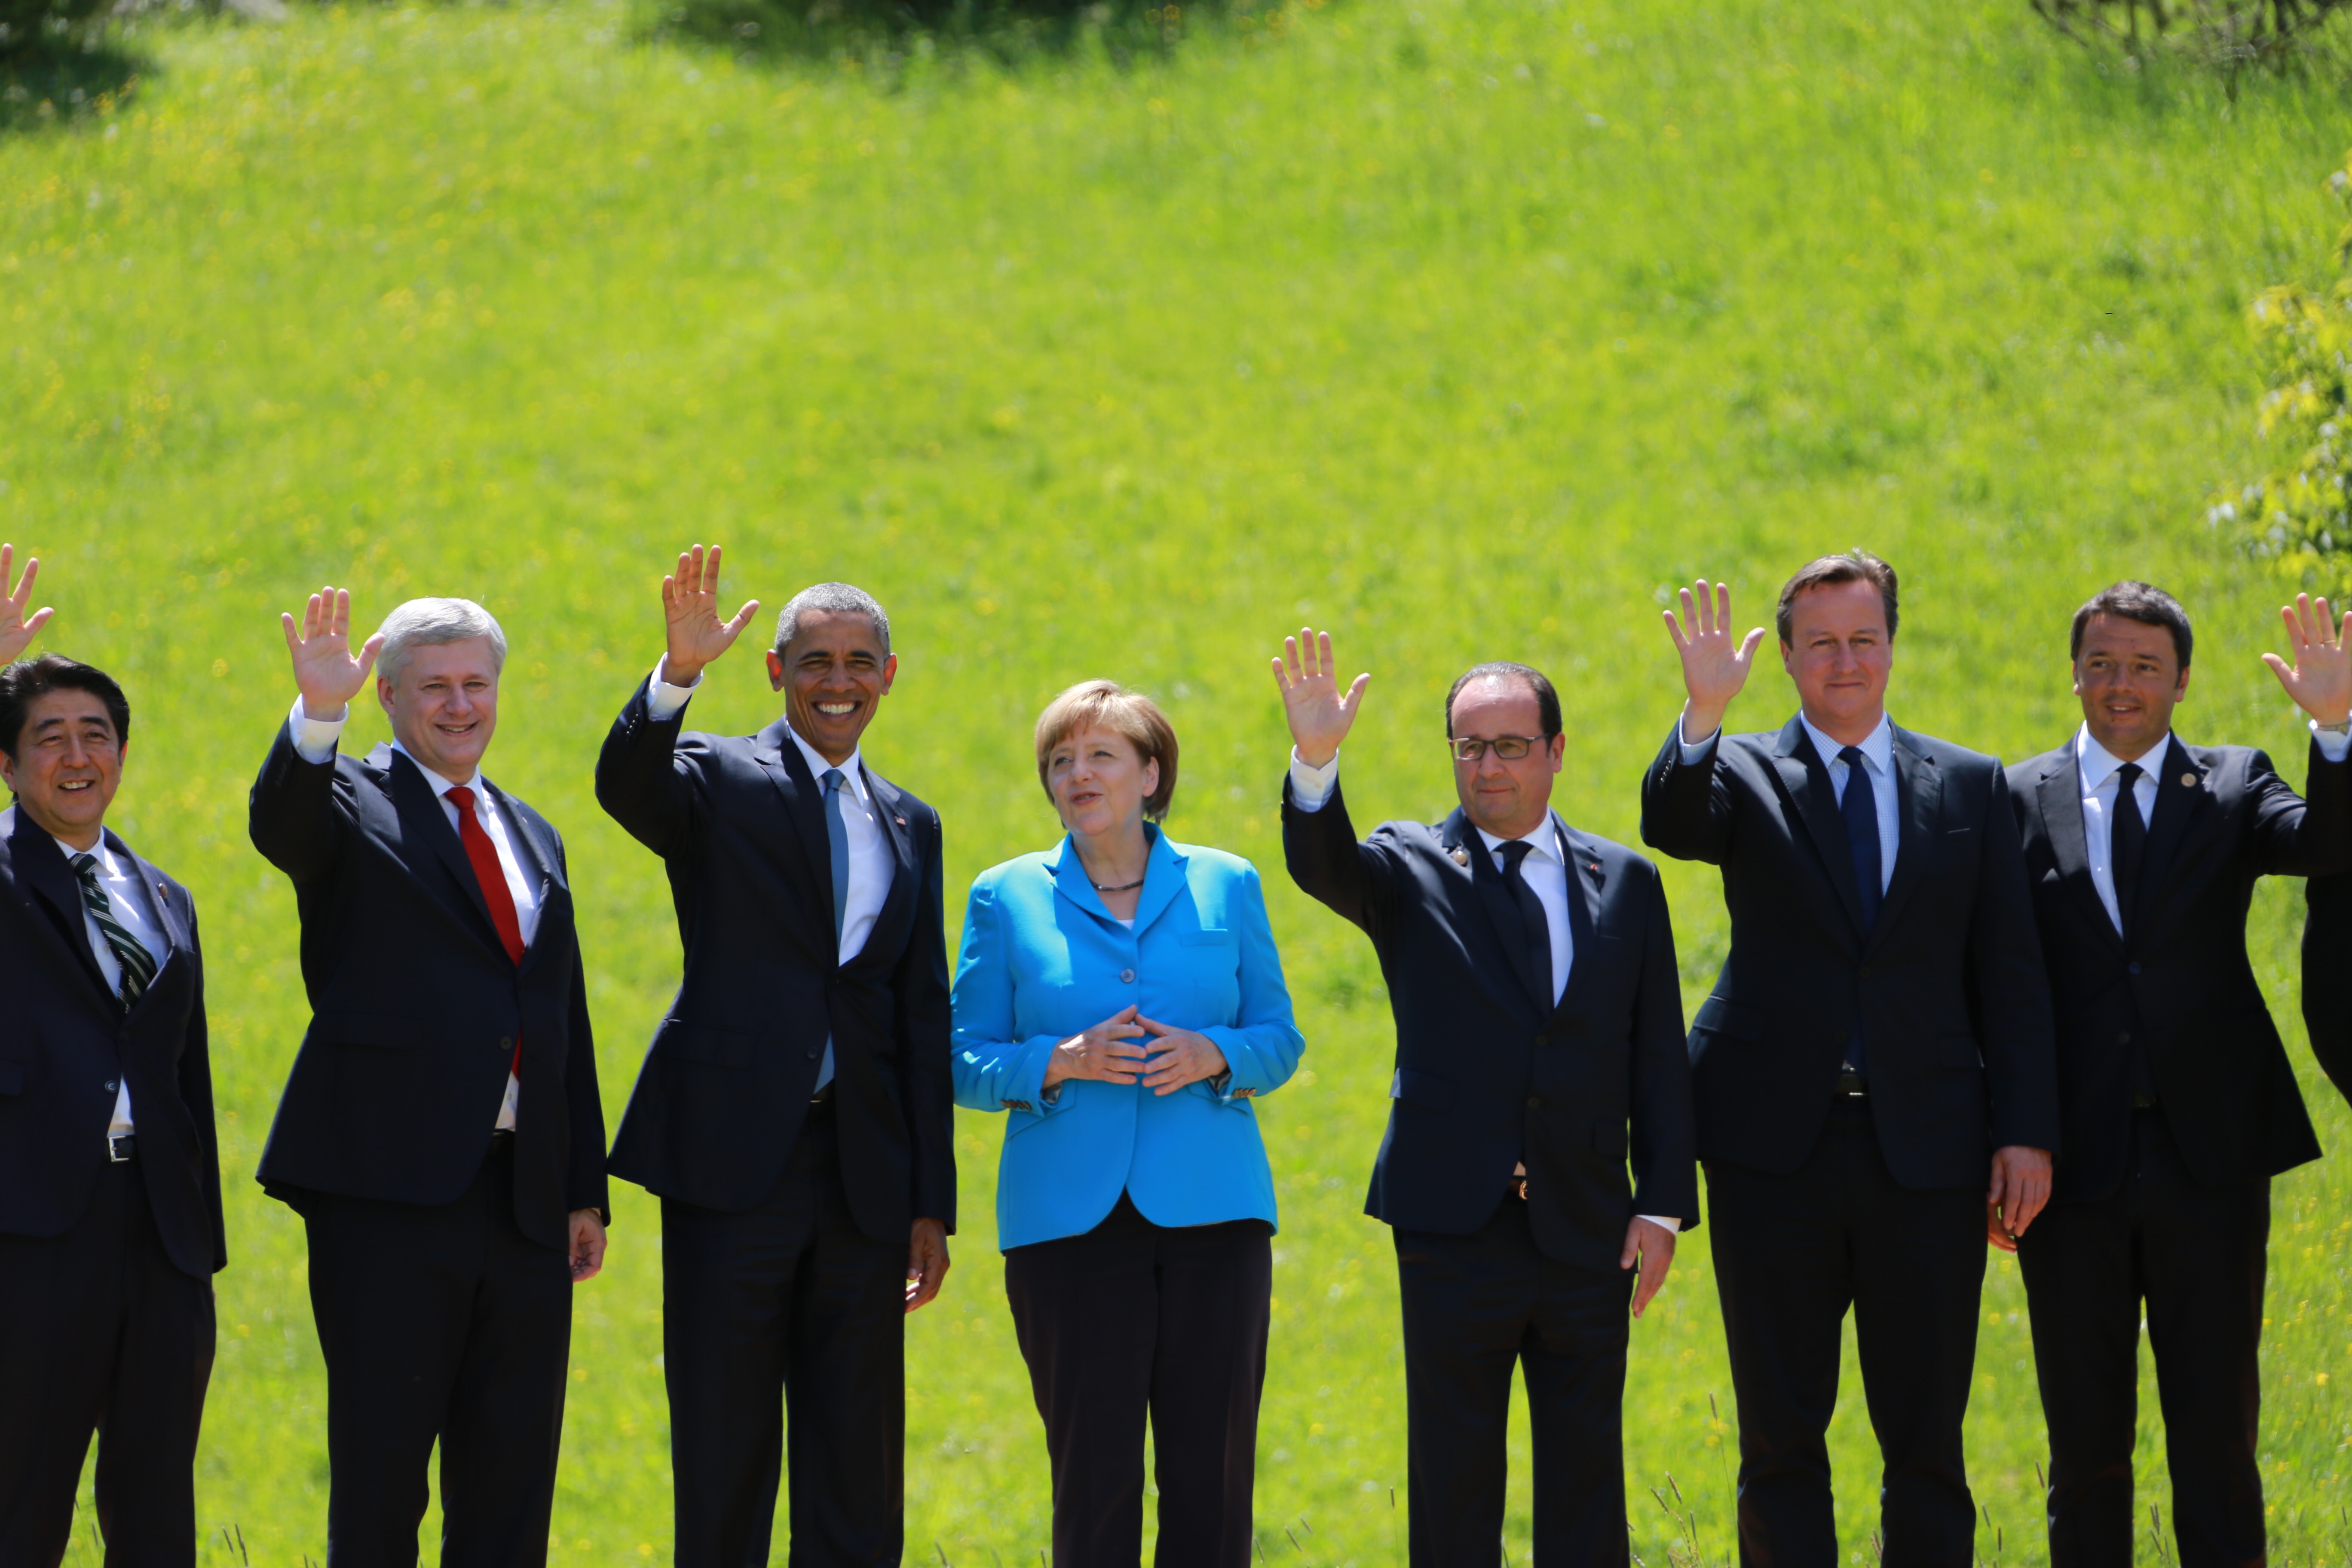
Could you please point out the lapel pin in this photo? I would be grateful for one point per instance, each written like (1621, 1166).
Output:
(2188, 781)
(899, 820)
(1461, 857)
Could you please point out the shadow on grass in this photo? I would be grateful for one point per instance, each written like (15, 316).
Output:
(66, 84)
(886, 32)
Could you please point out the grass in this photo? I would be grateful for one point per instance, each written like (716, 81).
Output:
(1466, 329)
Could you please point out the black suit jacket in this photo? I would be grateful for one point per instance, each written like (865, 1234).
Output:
(1947, 986)
(415, 1007)
(2326, 946)
(1489, 1069)
(740, 822)
(67, 1041)
(2182, 988)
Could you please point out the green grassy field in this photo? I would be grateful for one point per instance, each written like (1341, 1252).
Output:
(1463, 329)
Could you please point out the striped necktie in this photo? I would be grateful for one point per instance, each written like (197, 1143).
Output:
(138, 963)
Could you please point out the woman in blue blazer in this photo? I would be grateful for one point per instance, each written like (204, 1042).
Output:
(1120, 997)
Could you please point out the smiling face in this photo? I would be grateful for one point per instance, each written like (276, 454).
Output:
(833, 675)
(2129, 678)
(445, 706)
(67, 766)
(1508, 799)
(1100, 782)
(1840, 655)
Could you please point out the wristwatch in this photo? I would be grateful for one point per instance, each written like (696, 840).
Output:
(2342, 728)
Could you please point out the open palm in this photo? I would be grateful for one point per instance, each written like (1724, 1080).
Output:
(2320, 678)
(16, 629)
(325, 668)
(690, 617)
(1319, 715)
(1715, 666)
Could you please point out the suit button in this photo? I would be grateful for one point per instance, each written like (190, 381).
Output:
(1127, 977)
(506, 1043)
(810, 1055)
(1865, 972)
(2134, 968)
(2123, 1036)
(1838, 1038)
(110, 1086)
(1535, 1102)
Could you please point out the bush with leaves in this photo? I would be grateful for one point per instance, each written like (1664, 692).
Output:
(2225, 32)
(30, 25)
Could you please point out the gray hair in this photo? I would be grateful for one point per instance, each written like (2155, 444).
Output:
(827, 598)
(431, 623)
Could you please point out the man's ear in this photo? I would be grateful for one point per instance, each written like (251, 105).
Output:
(384, 688)
(775, 670)
(1558, 747)
(2181, 691)
(889, 672)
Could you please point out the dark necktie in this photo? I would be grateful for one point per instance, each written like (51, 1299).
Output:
(836, 834)
(2128, 848)
(483, 856)
(1535, 929)
(1860, 810)
(138, 963)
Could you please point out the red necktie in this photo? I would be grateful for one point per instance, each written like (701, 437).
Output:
(484, 855)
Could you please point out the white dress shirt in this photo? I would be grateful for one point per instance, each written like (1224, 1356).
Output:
(872, 865)
(1545, 868)
(127, 898)
(315, 740)
(1877, 754)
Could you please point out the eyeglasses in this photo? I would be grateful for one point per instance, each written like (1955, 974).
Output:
(1510, 748)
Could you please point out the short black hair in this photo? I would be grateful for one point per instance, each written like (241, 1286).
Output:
(1547, 700)
(27, 679)
(2142, 602)
(1847, 566)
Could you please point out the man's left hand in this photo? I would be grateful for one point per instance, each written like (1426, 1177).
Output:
(587, 1245)
(926, 1262)
(2020, 1186)
(1654, 1245)
(2320, 678)
(1178, 1057)
(17, 629)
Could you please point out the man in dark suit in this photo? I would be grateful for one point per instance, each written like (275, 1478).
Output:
(796, 1113)
(109, 1175)
(2176, 1103)
(2327, 946)
(1879, 1038)
(441, 1134)
(1539, 1041)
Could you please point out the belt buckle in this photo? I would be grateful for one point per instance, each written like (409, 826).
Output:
(119, 1148)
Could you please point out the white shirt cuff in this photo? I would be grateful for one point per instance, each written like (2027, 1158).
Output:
(2332, 746)
(1666, 1223)
(314, 739)
(666, 701)
(1311, 788)
(1692, 757)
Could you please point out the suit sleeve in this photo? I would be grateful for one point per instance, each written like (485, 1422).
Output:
(1262, 1047)
(1355, 880)
(196, 1094)
(2327, 939)
(294, 817)
(2011, 987)
(584, 1183)
(2307, 835)
(924, 1027)
(1664, 1124)
(642, 781)
(1687, 806)
(994, 1069)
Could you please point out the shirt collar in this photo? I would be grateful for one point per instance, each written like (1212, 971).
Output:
(1877, 747)
(2098, 764)
(853, 771)
(441, 787)
(1542, 841)
(107, 869)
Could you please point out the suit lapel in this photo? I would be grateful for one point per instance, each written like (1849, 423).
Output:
(1919, 796)
(2059, 798)
(1586, 883)
(54, 895)
(902, 838)
(2182, 803)
(777, 752)
(423, 820)
(1807, 781)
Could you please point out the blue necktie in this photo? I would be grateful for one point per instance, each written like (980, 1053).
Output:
(1860, 809)
(836, 833)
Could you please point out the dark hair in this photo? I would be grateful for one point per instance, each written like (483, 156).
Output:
(2141, 602)
(28, 679)
(1547, 700)
(1848, 567)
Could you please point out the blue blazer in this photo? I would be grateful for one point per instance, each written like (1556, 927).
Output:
(1042, 959)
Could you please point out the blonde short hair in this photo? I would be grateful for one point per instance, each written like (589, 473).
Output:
(1107, 705)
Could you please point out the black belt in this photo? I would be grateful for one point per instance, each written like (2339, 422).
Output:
(822, 1100)
(501, 1140)
(121, 1148)
(1853, 1086)
(2142, 1100)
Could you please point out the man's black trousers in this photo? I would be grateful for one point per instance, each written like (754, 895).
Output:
(786, 1307)
(1476, 1307)
(1792, 1253)
(440, 1321)
(2195, 1257)
(1134, 1319)
(101, 1332)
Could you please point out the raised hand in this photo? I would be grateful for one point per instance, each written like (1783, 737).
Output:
(1319, 716)
(2320, 678)
(690, 611)
(1714, 668)
(324, 667)
(16, 632)
(1179, 1057)
(1106, 1052)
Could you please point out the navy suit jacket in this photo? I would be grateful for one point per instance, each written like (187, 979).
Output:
(1946, 985)
(740, 824)
(67, 1041)
(2181, 989)
(415, 1007)
(1490, 1072)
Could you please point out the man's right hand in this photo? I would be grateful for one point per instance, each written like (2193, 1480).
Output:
(16, 632)
(1713, 668)
(324, 669)
(1105, 1053)
(1319, 716)
(690, 611)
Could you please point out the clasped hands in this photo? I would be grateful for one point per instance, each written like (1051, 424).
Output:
(1108, 1053)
